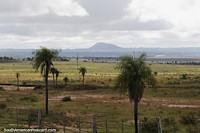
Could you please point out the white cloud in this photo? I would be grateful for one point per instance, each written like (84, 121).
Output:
(182, 13)
(41, 7)
(81, 23)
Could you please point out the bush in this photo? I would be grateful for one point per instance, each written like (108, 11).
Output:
(189, 120)
(149, 126)
(66, 80)
(66, 99)
(184, 76)
(1, 88)
(3, 105)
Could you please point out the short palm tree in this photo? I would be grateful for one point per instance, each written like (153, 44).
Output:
(133, 74)
(66, 80)
(17, 76)
(83, 70)
(53, 71)
(57, 74)
(43, 60)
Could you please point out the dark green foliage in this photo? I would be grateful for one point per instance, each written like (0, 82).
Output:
(1, 88)
(66, 99)
(3, 105)
(184, 76)
(189, 119)
(66, 80)
(149, 126)
(155, 73)
(29, 99)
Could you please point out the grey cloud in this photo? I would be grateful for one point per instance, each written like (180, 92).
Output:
(105, 9)
(23, 30)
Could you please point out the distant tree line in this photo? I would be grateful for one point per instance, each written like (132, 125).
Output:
(180, 63)
(5, 58)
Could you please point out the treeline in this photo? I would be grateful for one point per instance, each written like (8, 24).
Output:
(181, 63)
(5, 58)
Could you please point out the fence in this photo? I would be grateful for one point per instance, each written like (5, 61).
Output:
(83, 123)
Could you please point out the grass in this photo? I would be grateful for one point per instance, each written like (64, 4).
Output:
(98, 97)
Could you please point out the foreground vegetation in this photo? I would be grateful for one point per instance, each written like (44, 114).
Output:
(176, 99)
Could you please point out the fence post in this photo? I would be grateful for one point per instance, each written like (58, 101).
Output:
(141, 127)
(5, 116)
(94, 124)
(159, 125)
(106, 125)
(39, 118)
(122, 126)
(79, 124)
(17, 118)
(174, 128)
(29, 121)
(52, 119)
(64, 122)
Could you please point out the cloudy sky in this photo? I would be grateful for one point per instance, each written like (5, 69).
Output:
(81, 23)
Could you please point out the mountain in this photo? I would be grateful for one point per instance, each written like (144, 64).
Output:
(109, 50)
(105, 47)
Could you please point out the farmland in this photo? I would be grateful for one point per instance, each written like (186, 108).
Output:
(175, 99)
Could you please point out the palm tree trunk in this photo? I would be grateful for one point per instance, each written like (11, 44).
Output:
(18, 84)
(83, 79)
(53, 80)
(46, 90)
(136, 115)
(56, 80)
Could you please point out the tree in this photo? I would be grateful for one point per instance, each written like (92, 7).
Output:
(66, 80)
(17, 76)
(133, 74)
(43, 60)
(53, 71)
(83, 70)
(57, 74)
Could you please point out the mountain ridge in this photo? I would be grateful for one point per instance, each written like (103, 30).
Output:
(109, 50)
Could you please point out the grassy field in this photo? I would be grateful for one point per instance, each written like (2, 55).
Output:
(176, 99)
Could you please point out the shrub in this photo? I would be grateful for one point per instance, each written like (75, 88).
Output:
(149, 126)
(66, 99)
(1, 88)
(66, 80)
(189, 120)
(184, 76)
(3, 105)
(155, 73)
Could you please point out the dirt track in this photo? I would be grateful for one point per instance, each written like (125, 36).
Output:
(145, 101)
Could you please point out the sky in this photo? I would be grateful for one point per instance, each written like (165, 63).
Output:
(69, 24)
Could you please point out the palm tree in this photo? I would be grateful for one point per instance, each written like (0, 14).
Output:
(43, 60)
(53, 71)
(83, 70)
(57, 74)
(66, 79)
(133, 73)
(17, 76)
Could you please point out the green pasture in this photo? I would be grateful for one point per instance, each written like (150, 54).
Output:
(99, 97)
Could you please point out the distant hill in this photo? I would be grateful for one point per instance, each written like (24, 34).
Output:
(105, 47)
(102, 49)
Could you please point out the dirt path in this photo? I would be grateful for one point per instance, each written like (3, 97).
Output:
(145, 101)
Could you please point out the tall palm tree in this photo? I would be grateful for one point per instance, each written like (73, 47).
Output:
(17, 76)
(83, 70)
(133, 73)
(43, 60)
